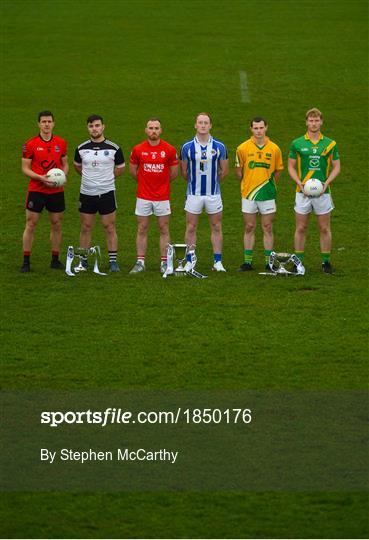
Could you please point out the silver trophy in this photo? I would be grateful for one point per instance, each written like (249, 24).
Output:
(83, 254)
(177, 263)
(179, 256)
(285, 264)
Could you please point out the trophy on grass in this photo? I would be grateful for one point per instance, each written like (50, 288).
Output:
(176, 259)
(83, 254)
(285, 264)
(181, 261)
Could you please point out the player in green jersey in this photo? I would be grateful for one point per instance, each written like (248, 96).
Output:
(314, 156)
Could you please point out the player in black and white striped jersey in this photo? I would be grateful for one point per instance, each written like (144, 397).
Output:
(99, 162)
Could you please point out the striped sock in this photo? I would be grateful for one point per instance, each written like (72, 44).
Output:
(267, 253)
(141, 258)
(113, 256)
(300, 255)
(163, 258)
(326, 256)
(247, 255)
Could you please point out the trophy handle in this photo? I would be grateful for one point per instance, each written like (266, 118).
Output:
(96, 251)
(68, 264)
(170, 254)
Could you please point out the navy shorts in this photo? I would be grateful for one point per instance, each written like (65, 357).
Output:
(53, 202)
(91, 204)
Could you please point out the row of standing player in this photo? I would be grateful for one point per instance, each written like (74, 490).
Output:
(203, 163)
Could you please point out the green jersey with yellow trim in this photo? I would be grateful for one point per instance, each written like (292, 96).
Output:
(314, 159)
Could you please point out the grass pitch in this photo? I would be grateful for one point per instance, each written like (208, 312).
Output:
(129, 61)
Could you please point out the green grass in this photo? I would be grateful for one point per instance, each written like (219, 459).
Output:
(129, 61)
(191, 515)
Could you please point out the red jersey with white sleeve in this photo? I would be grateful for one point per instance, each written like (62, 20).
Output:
(153, 174)
(45, 155)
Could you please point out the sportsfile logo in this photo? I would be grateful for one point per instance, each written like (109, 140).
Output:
(111, 415)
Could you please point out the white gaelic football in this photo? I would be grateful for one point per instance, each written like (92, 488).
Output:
(313, 187)
(56, 176)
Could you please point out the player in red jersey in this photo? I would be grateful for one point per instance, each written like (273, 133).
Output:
(40, 154)
(154, 164)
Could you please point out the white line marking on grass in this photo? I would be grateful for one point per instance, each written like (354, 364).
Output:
(245, 97)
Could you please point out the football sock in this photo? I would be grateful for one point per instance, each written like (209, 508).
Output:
(26, 257)
(113, 256)
(300, 255)
(55, 255)
(217, 257)
(326, 256)
(267, 253)
(141, 258)
(163, 258)
(247, 255)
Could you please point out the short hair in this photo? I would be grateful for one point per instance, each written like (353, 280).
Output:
(314, 112)
(45, 113)
(154, 119)
(204, 114)
(258, 119)
(94, 117)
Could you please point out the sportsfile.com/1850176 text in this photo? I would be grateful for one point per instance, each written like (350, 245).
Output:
(121, 416)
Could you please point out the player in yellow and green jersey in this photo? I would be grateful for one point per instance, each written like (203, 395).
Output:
(314, 156)
(258, 164)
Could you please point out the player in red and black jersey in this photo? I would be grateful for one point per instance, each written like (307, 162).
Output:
(40, 154)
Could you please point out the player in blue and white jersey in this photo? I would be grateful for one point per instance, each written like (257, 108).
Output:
(204, 164)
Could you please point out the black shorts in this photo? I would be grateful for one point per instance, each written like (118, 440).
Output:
(53, 202)
(104, 204)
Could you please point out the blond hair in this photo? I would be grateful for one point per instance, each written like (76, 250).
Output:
(314, 112)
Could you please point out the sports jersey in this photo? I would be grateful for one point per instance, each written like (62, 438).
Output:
(98, 160)
(259, 163)
(153, 173)
(203, 165)
(45, 155)
(314, 159)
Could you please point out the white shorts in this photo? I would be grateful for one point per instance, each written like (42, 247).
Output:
(263, 207)
(320, 205)
(147, 208)
(212, 203)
